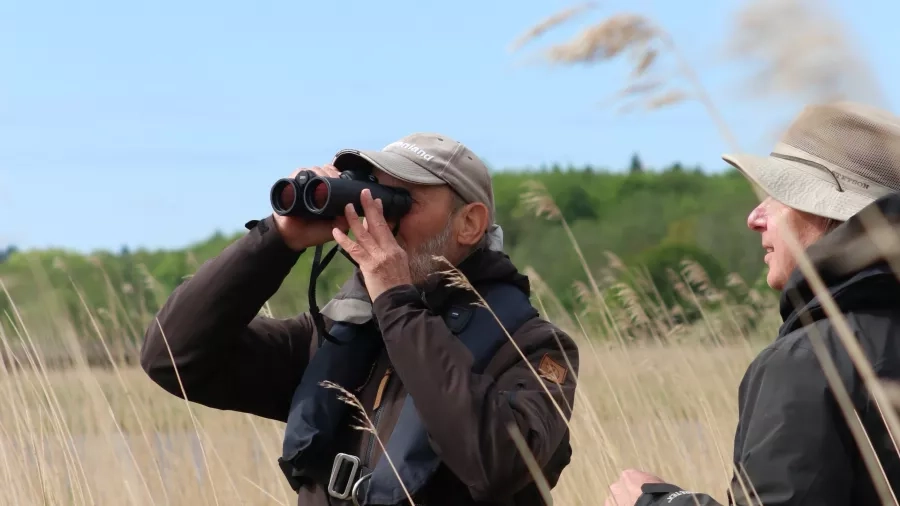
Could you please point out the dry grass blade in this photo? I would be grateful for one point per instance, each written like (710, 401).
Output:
(365, 424)
(643, 62)
(551, 22)
(846, 337)
(534, 469)
(805, 52)
(667, 408)
(194, 421)
(455, 278)
(607, 39)
(644, 42)
(537, 199)
(666, 99)
(845, 403)
(63, 430)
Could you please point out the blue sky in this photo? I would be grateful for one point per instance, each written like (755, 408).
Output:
(152, 124)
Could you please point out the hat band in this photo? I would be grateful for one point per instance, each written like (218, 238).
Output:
(809, 163)
(817, 167)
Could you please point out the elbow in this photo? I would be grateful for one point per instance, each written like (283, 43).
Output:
(156, 361)
(498, 487)
(497, 479)
(509, 474)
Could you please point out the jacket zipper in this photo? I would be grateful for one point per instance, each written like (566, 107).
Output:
(378, 408)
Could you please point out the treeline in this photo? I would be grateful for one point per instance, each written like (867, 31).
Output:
(653, 219)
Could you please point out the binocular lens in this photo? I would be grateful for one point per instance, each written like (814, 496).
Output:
(320, 195)
(310, 196)
(284, 195)
(315, 194)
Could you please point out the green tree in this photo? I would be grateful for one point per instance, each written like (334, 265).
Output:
(636, 164)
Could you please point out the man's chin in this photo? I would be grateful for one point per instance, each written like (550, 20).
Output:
(423, 270)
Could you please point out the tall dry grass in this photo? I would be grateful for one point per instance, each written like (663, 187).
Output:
(654, 393)
(87, 435)
(803, 53)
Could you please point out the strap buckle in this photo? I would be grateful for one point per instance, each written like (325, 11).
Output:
(343, 476)
(355, 492)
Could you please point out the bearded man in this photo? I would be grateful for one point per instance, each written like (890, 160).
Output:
(449, 385)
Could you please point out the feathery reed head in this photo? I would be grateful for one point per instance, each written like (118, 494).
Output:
(345, 396)
(551, 22)
(801, 51)
(538, 200)
(633, 36)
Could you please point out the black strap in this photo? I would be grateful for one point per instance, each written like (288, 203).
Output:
(318, 266)
(414, 460)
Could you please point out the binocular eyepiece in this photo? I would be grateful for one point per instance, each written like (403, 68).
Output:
(311, 196)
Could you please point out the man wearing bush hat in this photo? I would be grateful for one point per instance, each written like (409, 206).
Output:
(832, 186)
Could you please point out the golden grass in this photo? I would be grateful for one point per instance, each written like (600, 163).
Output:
(670, 409)
(817, 63)
(653, 393)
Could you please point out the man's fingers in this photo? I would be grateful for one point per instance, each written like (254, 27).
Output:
(378, 227)
(363, 237)
(331, 171)
(325, 170)
(356, 252)
(341, 224)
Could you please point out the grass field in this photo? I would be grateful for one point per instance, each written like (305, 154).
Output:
(665, 403)
(653, 394)
(93, 436)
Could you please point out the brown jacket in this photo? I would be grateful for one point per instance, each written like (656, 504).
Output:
(231, 358)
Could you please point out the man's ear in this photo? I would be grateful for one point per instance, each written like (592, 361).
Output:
(471, 223)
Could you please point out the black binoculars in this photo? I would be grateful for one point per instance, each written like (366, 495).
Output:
(311, 196)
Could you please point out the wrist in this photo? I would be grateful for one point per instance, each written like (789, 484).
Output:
(397, 295)
(279, 223)
(263, 238)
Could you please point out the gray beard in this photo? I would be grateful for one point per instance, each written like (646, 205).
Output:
(422, 262)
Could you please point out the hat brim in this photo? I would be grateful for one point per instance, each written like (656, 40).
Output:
(398, 166)
(796, 187)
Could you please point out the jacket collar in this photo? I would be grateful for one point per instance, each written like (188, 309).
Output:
(855, 270)
(352, 303)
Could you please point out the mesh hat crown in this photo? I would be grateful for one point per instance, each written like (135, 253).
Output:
(432, 159)
(832, 161)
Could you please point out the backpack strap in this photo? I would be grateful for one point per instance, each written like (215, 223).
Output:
(408, 445)
(316, 412)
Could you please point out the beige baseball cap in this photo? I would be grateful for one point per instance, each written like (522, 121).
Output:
(832, 161)
(431, 159)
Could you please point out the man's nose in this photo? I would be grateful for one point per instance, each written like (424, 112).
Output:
(756, 220)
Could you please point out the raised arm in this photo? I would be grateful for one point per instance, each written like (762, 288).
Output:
(225, 355)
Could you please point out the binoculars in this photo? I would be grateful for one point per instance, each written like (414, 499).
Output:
(311, 196)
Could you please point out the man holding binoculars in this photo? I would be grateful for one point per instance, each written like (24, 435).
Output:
(436, 371)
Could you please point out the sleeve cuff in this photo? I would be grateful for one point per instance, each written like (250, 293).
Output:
(663, 493)
(399, 295)
(264, 237)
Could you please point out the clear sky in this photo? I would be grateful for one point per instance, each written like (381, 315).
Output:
(155, 123)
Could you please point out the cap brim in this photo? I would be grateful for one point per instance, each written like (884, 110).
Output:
(795, 187)
(398, 166)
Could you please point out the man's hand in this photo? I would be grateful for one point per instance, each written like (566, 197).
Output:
(627, 490)
(381, 260)
(298, 233)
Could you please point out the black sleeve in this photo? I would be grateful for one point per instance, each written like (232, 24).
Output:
(792, 451)
(671, 495)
